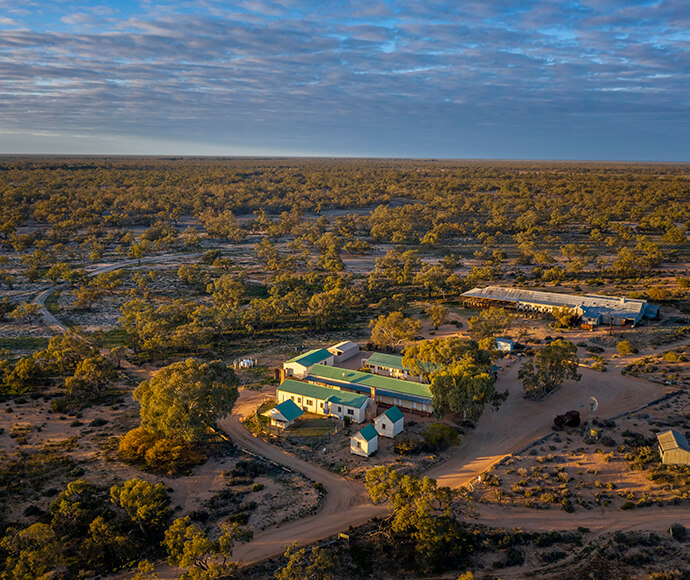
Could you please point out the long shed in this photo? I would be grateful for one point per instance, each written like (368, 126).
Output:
(674, 448)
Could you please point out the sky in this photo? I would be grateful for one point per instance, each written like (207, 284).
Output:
(528, 79)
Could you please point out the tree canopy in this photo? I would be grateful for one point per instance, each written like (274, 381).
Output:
(185, 399)
(549, 368)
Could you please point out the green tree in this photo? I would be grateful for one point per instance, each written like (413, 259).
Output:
(317, 565)
(564, 316)
(459, 372)
(74, 508)
(27, 311)
(420, 512)
(490, 322)
(185, 399)
(625, 348)
(90, 377)
(33, 552)
(188, 546)
(145, 503)
(389, 331)
(549, 368)
(437, 313)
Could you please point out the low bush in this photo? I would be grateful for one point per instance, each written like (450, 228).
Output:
(439, 437)
(159, 453)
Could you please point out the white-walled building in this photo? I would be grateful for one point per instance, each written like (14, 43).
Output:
(323, 401)
(390, 422)
(284, 414)
(344, 350)
(300, 366)
(364, 442)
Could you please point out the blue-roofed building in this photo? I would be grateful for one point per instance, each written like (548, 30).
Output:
(364, 442)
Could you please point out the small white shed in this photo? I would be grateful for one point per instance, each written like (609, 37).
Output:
(390, 422)
(343, 350)
(364, 442)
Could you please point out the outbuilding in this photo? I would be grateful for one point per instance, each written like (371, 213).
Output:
(674, 448)
(300, 366)
(364, 442)
(343, 350)
(390, 422)
(505, 344)
(284, 414)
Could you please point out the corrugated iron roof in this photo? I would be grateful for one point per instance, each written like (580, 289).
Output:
(322, 393)
(311, 357)
(368, 432)
(672, 440)
(389, 384)
(289, 410)
(389, 361)
(394, 414)
(621, 306)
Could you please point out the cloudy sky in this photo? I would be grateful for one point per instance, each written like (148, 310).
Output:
(551, 79)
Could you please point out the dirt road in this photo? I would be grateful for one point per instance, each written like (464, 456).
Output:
(515, 425)
(55, 325)
(519, 422)
(346, 502)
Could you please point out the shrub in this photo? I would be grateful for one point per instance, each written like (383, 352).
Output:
(628, 505)
(157, 452)
(439, 437)
(625, 348)
(405, 443)
(678, 532)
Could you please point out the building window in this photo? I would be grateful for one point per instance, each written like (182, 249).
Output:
(340, 409)
(350, 412)
(383, 426)
(299, 400)
(321, 404)
(293, 398)
(310, 402)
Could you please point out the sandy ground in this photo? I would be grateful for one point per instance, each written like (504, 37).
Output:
(515, 425)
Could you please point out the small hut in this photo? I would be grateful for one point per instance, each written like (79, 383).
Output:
(283, 415)
(390, 422)
(364, 442)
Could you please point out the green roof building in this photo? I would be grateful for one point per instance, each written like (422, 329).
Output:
(410, 395)
(322, 400)
(300, 365)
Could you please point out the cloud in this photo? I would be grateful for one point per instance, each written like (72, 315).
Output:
(357, 72)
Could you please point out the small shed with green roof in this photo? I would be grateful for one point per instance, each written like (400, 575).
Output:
(299, 366)
(365, 442)
(284, 414)
(390, 422)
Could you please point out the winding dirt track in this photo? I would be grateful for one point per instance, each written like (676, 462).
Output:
(515, 425)
(346, 502)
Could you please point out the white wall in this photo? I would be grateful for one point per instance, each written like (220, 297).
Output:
(365, 448)
(391, 430)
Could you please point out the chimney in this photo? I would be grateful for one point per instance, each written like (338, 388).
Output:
(373, 393)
